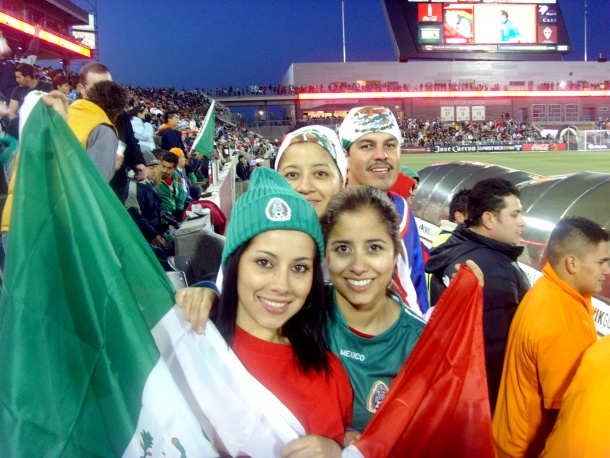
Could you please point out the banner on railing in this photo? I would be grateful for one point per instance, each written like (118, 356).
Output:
(456, 149)
(415, 149)
(497, 148)
(544, 147)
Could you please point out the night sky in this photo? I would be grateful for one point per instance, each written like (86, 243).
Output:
(219, 43)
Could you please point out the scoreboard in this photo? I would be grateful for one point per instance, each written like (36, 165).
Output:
(477, 30)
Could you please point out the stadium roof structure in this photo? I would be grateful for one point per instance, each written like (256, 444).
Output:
(54, 18)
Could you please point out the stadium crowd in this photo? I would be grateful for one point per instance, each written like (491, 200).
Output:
(280, 89)
(349, 340)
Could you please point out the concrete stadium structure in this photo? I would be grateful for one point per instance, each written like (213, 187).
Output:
(515, 87)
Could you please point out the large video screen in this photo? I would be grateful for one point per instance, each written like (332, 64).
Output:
(487, 28)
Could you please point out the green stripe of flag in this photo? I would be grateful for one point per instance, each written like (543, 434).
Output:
(82, 288)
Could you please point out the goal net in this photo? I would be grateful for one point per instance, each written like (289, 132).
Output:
(594, 140)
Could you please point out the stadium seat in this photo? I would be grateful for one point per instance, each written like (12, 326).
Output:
(178, 279)
(183, 264)
(204, 248)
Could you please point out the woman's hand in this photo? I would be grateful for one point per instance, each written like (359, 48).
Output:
(196, 305)
(351, 437)
(311, 446)
(475, 269)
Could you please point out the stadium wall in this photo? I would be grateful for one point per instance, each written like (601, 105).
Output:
(506, 74)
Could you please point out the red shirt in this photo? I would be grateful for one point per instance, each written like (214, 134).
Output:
(322, 405)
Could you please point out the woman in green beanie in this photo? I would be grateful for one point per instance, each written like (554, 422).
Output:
(271, 309)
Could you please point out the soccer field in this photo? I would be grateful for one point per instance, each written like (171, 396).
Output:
(543, 163)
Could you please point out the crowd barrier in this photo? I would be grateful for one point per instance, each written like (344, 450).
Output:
(545, 201)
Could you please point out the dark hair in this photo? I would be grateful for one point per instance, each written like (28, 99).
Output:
(169, 114)
(488, 196)
(25, 70)
(159, 153)
(109, 96)
(170, 157)
(357, 198)
(59, 80)
(574, 235)
(303, 330)
(504, 13)
(91, 67)
(459, 203)
(136, 109)
(240, 157)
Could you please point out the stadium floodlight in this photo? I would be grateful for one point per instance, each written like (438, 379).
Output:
(45, 35)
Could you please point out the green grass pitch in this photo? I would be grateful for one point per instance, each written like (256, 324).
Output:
(540, 163)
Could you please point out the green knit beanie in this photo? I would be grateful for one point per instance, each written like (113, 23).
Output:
(270, 204)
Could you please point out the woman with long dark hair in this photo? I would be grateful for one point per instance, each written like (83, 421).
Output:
(272, 307)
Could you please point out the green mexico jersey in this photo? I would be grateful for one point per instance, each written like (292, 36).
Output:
(371, 363)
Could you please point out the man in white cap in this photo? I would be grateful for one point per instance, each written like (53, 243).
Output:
(371, 140)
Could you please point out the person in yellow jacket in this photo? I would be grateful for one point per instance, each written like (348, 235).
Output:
(551, 330)
(91, 120)
(584, 420)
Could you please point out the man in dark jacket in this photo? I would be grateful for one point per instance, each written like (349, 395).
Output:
(144, 205)
(489, 237)
(242, 169)
(171, 137)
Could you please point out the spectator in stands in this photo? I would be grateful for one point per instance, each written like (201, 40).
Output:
(256, 163)
(142, 129)
(405, 184)
(408, 171)
(583, 422)
(144, 205)
(360, 228)
(458, 213)
(171, 188)
(551, 330)
(26, 79)
(8, 62)
(490, 238)
(170, 136)
(92, 120)
(61, 83)
(202, 169)
(272, 308)
(242, 169)
(312, 160)
(90, 74)
(192, 192)
(371, 140)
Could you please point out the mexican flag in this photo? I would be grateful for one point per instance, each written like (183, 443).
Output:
(438, 405)
(204, 143)
(95, 360)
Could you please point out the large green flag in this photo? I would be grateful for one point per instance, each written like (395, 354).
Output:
(204, 143)
(82, 290)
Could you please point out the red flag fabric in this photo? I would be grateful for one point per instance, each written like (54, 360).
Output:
(438, 404)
